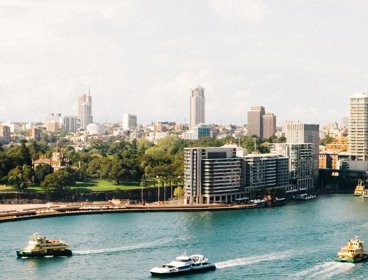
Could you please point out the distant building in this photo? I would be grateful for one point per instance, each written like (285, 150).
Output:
(201, 131)
(53, 122)
(35, 133)
(197, 107)
(85, 110)
(212, 175)
(70, 123)
(4, 134)
(269, 125)
(255, 127)
(129, 122)
(95, 129)
(300, 133)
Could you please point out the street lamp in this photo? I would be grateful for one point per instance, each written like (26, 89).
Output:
(164, 184)
(158, 189)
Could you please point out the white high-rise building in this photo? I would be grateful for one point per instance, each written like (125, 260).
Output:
(358, 127)
(197, 102)
(129, 122)
(85, 110)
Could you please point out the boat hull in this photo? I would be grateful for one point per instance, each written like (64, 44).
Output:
(184, 272)
(63, 253)
(353, 260)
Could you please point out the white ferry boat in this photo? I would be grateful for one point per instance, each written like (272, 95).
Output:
(184, 265)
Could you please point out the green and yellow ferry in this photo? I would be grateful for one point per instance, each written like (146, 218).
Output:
(353, 252)
(39, 246)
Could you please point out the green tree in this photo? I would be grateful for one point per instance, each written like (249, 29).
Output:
(41, 171)
(59, 181)
(20, 177)
(179, 192)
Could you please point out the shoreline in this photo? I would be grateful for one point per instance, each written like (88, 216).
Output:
(59, 210)
(19, 212)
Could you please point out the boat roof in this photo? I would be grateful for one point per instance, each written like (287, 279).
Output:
(182, 258)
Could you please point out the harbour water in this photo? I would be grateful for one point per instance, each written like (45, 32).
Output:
(295, 241)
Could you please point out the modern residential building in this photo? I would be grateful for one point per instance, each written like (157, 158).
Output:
(358, 127)
(85, 110)
(300, 164)
(269, 125)
(265, 171)
(212, 175)
(300, 133)
(70, 123)
(129, 122)
(197, 107)
(255, 126)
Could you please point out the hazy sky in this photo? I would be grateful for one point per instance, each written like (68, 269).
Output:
(299, 59)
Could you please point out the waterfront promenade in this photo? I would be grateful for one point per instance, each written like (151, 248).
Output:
(15, 212)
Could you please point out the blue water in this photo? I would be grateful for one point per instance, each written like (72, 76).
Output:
(296, 241)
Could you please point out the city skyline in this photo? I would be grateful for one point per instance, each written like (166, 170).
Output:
(143, 57)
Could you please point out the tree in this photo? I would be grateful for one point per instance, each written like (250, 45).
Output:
(179, 192)
(41, 171)
(59, 181)
(20, 177)
(327, 140)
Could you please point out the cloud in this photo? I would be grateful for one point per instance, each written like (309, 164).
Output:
(241, 11)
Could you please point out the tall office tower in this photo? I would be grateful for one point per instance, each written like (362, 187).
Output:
(299, 133)
(255, 126)
(269, 125)
(129, 122)
(85, 110)
(358, 127)
(197, 112)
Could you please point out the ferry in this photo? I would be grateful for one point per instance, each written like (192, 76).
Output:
(184, 265)
(40, 246)
(353, 252)
(359, 189)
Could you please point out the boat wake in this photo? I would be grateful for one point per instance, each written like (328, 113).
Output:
(253, 259)
(323, 271)
(120, 249)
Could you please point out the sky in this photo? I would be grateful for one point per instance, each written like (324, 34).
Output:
(301, 60)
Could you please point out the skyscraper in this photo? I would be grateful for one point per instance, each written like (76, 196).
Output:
(358, 127)
(85, 110)
(269, 125)
(197, 112)
(255, 126)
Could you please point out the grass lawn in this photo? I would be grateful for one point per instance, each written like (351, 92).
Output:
(90, 186)
(104, 185)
